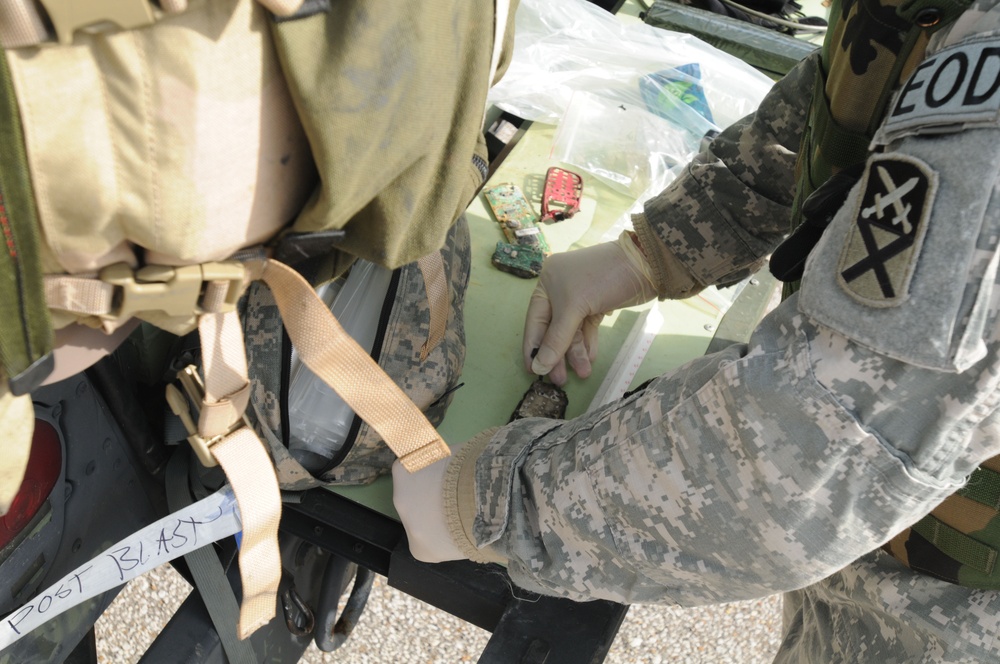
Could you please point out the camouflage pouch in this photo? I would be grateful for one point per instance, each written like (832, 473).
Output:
(404, 326)
(959, 541)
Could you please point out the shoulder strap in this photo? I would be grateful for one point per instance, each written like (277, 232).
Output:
(331, 354)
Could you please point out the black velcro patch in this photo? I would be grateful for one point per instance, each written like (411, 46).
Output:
(889, 226)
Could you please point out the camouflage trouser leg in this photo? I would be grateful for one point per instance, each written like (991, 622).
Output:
(876, 610)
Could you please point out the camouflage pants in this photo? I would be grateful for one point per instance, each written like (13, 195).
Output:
(876, 610)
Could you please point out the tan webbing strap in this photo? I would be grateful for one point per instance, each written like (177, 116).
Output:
(20, 24)
(216, 296)
(227, 383)
(80, 295)
(331, 354)
(438, 297)
(120, 292)
(251, 474)
(246, 463)
(323, 346)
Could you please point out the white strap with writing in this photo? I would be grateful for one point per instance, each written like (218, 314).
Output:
(175, 535)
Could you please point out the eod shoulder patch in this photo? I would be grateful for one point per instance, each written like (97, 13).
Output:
(890, 222)
(958, 86)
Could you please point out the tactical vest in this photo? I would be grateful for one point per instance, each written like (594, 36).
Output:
(870, 50)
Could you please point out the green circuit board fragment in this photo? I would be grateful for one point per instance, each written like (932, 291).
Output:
(516, 217)
(521, 261)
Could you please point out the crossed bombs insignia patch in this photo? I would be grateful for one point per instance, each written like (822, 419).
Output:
(890, 222)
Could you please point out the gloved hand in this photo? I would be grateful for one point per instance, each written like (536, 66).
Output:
(574, 292)
(419, 501)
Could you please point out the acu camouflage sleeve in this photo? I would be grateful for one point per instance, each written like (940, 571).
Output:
(731, 206)
(737, 476)
(771, 465)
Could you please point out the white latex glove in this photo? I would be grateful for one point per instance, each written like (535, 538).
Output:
(419, 500)
(574, 292)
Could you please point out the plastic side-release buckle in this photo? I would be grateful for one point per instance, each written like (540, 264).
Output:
(68, 16)
(185, 405)
(175, 291)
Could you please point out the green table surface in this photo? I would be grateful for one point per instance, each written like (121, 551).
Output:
(494, 376)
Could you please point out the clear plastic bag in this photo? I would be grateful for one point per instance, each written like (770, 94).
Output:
(632, 102)
(624, 144)
(565, 46)
(318, 418)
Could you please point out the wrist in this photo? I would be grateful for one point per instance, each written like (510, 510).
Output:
(637, 273)
(638, 245)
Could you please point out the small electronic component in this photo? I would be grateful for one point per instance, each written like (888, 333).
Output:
(543, 399)
(516, 218)
(561, 198)
(521, 261)
(665, 92)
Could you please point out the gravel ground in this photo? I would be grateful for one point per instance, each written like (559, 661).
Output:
(399, 629)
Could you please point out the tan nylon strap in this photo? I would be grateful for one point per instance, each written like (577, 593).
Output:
(20, 24)
(438, 297)
(246, 463)
(331, 354)
(251, 474)
(90, 296)
(224, 355)
(217, 417)
(79, 295)
(214, 297)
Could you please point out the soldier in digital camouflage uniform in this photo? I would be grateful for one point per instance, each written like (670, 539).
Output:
(860, 404)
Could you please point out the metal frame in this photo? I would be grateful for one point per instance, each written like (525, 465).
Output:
(527, 628)
(758, 295)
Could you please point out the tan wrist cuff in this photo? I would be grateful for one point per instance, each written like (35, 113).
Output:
(670, 277)
(460, 499)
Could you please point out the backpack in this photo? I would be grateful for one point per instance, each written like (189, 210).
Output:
(426, 365)
(159, 157)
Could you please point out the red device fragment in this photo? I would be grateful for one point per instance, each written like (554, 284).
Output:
(41, 475)
(561, 198)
